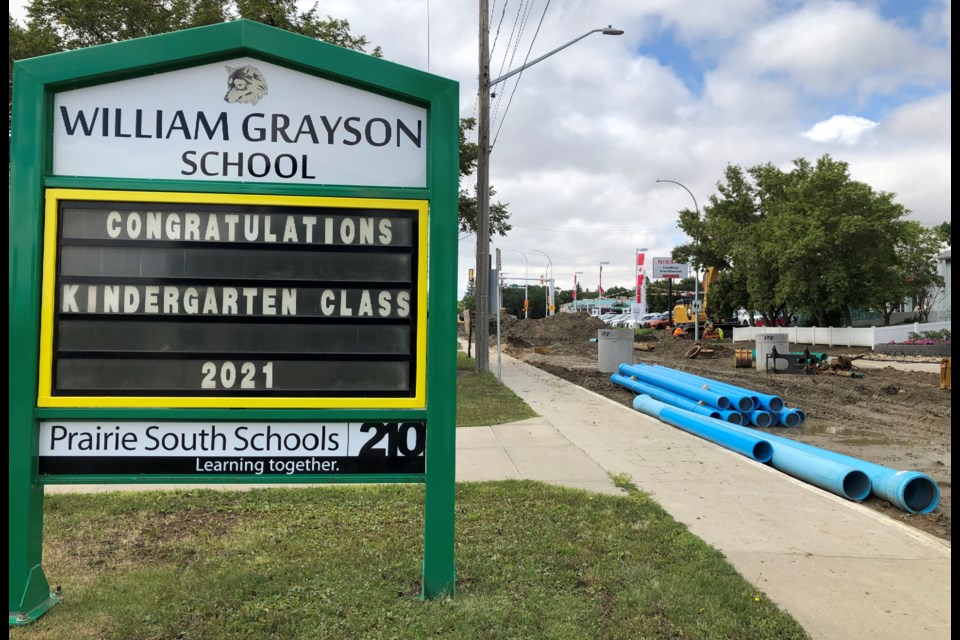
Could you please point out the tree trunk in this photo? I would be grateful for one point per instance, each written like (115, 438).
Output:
(847, 317)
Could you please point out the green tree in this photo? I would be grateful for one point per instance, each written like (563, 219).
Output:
(499, 216)
(809, 239)
(943, 232)
(914, 274)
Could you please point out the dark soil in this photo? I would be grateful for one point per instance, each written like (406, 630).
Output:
(891, 417)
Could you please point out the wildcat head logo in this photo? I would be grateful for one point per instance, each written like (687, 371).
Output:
(245, 85)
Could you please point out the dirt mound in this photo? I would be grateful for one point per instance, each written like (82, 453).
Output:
(561, 330)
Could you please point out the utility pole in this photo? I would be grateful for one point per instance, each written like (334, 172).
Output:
(482, 354)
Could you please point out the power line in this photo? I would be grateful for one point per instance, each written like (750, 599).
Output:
(513, 45)
(520, 75)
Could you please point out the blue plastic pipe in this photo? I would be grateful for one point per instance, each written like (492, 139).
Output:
(729, 415)
(762, 400)
(830, 475)
(648, 375)
(665, 396)
(711, 429)
(789, 417)
(682, 402)
(834, 476)
(740, 399)
(910, 491)
(768, 402)
(758, 418)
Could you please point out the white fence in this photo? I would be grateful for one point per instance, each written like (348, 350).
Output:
(840, 336)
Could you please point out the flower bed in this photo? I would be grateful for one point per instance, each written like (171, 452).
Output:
(927, 343)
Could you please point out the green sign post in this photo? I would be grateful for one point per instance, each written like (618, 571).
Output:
(232, 259)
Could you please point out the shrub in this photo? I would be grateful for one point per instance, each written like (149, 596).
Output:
(927, 337)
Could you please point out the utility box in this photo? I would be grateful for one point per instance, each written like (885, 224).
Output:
(614, 347)
(766, 344)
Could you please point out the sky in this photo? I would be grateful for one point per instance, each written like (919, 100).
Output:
(581, 138)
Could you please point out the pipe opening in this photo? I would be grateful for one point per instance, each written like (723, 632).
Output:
(791, 419)
(763, 451)
(745, 404)
(735, 418)
(803, 415)
(716, 415)
(723, 402)
(762, 419)
(776, 403)
(921, 495)
(856, 486)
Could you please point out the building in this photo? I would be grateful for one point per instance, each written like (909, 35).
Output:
(941, 310)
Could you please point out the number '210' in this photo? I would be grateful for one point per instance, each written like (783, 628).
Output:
(225, 375)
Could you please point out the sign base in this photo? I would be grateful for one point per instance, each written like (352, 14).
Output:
(19, 618)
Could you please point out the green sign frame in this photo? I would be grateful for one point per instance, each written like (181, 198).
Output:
(36, 82)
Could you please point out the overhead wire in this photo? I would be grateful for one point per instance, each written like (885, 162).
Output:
(519, 75)
(516, 34)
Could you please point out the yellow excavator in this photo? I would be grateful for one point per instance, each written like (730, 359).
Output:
(683, 313)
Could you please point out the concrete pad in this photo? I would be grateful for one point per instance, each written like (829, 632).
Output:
(928, 367)
(490, 463)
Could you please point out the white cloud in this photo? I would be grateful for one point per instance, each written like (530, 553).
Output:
(590, 129)
(842, 129)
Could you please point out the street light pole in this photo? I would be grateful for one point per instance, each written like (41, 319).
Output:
(600, 286)
(575, 306)
(696, 269)
(549, 290)
(526, 276)
(483, 175)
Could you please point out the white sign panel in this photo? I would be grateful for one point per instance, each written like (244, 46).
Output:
(241, 120)
(190, 448)
(667, 268)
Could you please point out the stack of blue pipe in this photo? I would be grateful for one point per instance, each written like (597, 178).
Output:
(728, 402)
(715, 411)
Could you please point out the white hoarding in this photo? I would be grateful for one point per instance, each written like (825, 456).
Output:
(667, 268)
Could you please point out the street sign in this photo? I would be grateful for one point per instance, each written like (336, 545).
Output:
(667, 268)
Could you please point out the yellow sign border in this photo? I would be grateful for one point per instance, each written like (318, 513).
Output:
(45, 397)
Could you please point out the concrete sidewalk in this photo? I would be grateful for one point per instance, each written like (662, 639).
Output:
(841, 569)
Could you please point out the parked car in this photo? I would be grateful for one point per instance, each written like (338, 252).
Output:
(647, 317)
(659, 323)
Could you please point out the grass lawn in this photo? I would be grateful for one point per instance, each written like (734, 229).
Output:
(482, 400)
(534, 561)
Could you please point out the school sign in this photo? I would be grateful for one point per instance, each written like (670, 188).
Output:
(232, 259)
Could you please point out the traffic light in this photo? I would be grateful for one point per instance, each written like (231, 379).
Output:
(470, 275)
(526, 305)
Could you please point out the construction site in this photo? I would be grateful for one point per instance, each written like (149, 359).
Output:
(856, 403)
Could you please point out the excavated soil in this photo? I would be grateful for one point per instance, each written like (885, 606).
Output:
(895, 418)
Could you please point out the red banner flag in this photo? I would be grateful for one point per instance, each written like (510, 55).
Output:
(639, 279)
(640, 259)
